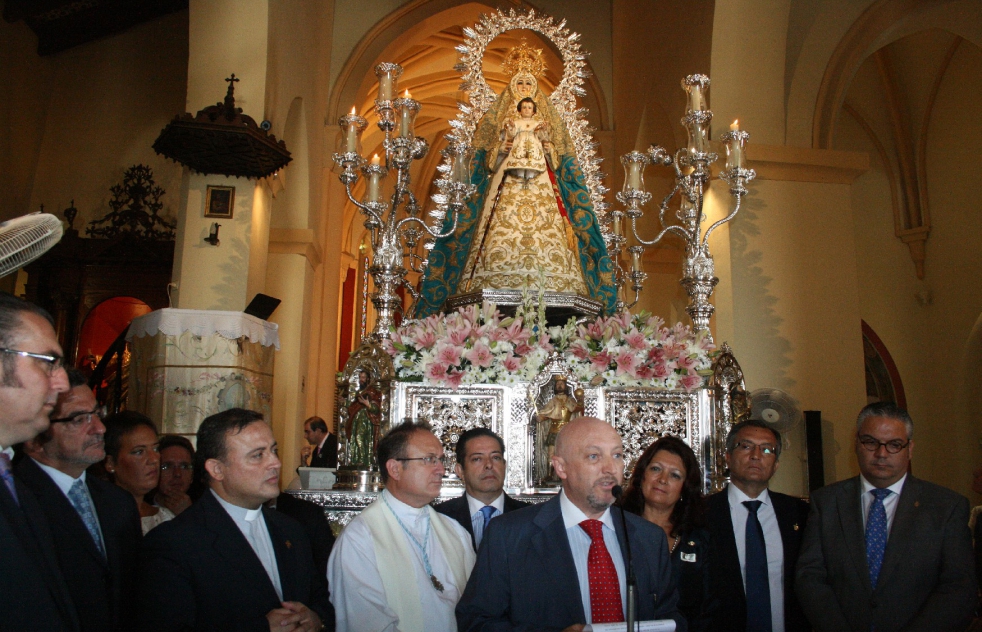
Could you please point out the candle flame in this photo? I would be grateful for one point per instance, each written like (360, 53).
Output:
(406, 95)
(375, 160)
(737, 122)
(353, 111)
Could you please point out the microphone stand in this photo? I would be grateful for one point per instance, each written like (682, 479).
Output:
(632, 582)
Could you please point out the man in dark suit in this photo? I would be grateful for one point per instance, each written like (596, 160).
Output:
(322, 448)
(885, 550)
(311, 517)
(562, 564)
(755, 536)
(227, 563)
(481, 465)
(95, 525)
(33, 593)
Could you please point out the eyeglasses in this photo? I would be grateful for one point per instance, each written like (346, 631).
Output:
(52, 362)
(427, 460)
(83, 418)
(180, 467)
(749, 446)
(871, 444)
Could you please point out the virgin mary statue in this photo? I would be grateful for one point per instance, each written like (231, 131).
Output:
(530, 222)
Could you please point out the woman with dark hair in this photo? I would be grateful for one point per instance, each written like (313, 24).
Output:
(176, 474)
(666, 489)
(133, 462)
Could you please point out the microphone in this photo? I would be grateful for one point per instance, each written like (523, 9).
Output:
(632, 583)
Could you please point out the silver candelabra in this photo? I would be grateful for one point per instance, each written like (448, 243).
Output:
(692, 175)
(398, 232)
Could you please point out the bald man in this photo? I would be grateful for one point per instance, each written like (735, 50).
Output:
(562, 564)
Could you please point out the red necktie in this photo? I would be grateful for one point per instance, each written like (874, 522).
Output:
(605, 590)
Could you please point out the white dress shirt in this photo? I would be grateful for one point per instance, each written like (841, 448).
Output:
(474, 506)
(889, 503)
(773, 544)
(356, 585)
(579, 544)
(64, 482)
(253, 526)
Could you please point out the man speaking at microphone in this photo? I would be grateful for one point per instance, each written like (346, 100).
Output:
(564, 564)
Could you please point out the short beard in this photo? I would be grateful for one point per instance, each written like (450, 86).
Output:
(596, 504)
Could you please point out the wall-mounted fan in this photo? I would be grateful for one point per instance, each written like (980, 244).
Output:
(24, 239)
(777, 409)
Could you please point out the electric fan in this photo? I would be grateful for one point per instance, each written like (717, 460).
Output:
(24, 239)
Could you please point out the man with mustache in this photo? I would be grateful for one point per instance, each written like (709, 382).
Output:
(95, 525)
(755, 536)
(227, 562)
(884, 550)
(400, 565)
(481, 465)
(563, 564)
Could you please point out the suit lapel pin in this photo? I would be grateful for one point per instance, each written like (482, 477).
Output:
(289, 544)
(795, 526)
(917, 503)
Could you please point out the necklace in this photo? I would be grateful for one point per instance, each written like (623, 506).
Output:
(421, 546)
(675, 543)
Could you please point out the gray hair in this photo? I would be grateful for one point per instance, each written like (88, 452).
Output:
(889, 410)
(752, 423)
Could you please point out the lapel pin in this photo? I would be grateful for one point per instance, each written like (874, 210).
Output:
(917, 503)
(289, 544)
(796, 527)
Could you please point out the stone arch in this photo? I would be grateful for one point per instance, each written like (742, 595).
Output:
(421, 36)
(882, 23)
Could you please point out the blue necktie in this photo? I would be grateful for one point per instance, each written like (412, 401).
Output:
(83, 506)
(488, 512)
(876, 534)
(8, 476)
(758, 586)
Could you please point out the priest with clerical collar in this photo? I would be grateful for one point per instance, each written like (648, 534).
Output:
(399, 564)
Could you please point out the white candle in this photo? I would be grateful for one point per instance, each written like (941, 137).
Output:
(386, 86)
(461, 168)
(617, 225)
(376, 160)
(734, 154)
(374, 187)
(634, 175)
(695, 97)
(405, 118)
(636, 261)
(351, 142)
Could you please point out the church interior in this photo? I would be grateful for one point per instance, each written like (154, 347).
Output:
(845, 278)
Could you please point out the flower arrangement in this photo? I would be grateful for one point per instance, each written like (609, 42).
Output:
(635, 350)
(470, 346)
(478, 346)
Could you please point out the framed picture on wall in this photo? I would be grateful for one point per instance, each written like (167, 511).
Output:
(219, 202)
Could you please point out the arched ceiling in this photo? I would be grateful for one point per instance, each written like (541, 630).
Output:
(892, 97)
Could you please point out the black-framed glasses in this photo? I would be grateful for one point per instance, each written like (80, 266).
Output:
(750, 446)
(871, 444)
(52, 362)
(427, 460)
(83, 418)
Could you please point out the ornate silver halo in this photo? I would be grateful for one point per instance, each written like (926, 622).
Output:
(481, 96)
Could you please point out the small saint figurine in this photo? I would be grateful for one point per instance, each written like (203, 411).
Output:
(553, 415)
(363, 424)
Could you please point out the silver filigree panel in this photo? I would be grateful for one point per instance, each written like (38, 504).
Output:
(642, 415)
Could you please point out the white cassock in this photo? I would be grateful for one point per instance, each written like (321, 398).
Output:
(355, 576)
